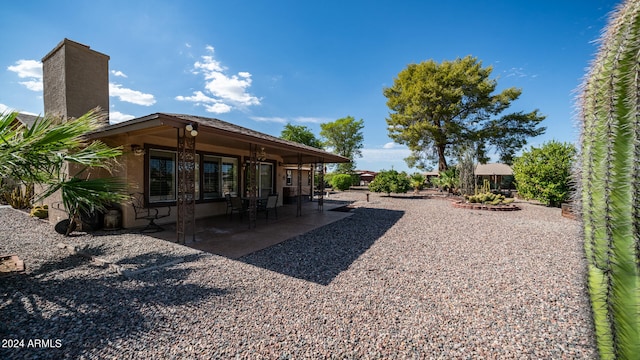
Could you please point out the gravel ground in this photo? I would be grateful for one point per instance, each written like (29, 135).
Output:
(400, 278)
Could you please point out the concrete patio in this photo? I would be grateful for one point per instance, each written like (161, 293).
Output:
(230, 236)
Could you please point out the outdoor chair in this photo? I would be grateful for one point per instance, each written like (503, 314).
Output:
(237, 205)
(270, 204)
(227, 198)
(149, 214)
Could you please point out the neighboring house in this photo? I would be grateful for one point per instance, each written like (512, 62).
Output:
(499, 175)
(26, 119)
(183, 161)
(365, 177)
(429, 176)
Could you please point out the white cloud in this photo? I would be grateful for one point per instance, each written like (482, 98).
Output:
(390, 145)
(519, 73)
(31, 70)
(212, 105)
(33, 85)
(384, 158)
(118, 117)
(218, 108)
(312, 120)
(224, 92)
(27, 69)
(5, 109)
(118, 73)
(278, 120)
(131, 96)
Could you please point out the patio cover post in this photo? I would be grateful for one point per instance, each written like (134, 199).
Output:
(252, 175)
(299, 202)
(185, 219)
(320, 168)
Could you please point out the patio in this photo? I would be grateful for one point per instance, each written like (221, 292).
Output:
(230, 236)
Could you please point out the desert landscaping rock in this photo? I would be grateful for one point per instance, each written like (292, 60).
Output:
(400, 278)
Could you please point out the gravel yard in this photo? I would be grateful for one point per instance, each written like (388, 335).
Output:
(400, 278)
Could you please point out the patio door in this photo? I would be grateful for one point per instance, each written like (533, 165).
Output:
(264, 180)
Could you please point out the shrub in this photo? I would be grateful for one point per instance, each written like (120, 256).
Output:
(417, 181)
(390, 181)
(544, 173)
(341, 182)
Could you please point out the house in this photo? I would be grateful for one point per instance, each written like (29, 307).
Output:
(429, 176)
(184, 162)
(365, 177)
(499, 175)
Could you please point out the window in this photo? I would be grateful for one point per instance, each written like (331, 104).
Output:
(214, 176)
(162, 175)
(230, 176)
(219, 176)
(211, 177)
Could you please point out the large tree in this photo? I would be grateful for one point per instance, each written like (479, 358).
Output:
(344, 137)
(300, 134)
(441, 110)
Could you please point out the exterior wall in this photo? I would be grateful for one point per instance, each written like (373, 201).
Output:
(132, 168)
(289, 192)
(134, 165)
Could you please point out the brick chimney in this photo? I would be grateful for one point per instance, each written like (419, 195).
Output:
(75, 79)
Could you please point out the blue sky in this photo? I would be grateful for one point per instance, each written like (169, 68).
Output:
(261, 64)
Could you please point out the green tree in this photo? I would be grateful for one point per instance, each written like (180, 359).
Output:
(56, 155)
(544, 173)
(344, 136)
(300, 134)
(436, 108)
(390, 181)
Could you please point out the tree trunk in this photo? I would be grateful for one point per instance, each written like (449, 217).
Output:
(442, 161)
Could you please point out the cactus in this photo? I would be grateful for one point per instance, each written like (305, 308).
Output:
(609, 184)
(39, 211)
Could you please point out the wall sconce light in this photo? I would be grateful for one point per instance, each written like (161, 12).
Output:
(192, 129)
(261, 155)
(137, 150)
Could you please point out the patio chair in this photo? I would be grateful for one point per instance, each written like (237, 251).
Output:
(150, 214)
(270, 204)
(238, 206)
(227, 198)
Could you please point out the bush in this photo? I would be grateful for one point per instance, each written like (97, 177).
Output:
(544, 173)
(390, 181)
(341, 182)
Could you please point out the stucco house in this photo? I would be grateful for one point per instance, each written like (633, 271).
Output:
(184, 162)
(498, 174)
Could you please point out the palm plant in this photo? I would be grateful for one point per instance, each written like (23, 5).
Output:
(448, 180)
(56, 155)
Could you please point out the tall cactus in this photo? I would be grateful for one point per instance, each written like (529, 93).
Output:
(609, 182)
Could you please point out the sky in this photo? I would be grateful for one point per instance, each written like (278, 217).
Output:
(263, 64)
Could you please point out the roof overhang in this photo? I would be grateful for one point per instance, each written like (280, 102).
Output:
(218, 132)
